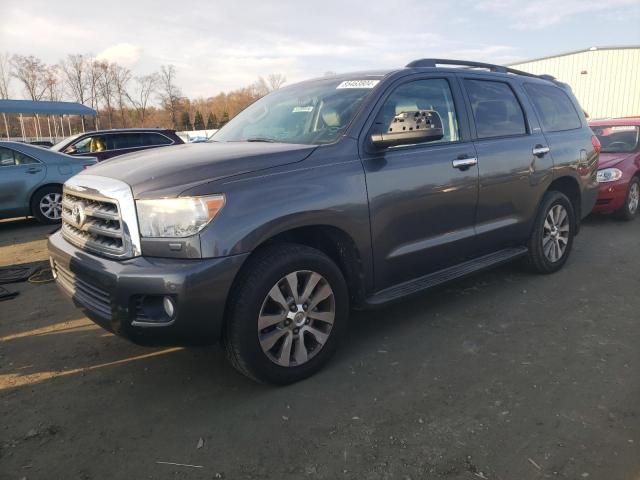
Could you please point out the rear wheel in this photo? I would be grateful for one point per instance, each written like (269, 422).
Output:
(552, 237)
(287, 314)
(629, 210)
(46, 204)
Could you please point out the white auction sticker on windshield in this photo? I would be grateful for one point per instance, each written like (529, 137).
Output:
(358, 84)
(623, 128)
(302, 109)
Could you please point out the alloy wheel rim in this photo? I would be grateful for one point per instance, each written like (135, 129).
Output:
(296, 318)
(51, 206)
(555, 238)
(634, 197)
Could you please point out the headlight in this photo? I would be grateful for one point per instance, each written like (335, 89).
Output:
(177, 217)
(609, 175)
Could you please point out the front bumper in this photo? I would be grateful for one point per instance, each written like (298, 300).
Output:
(611, 196)
(110, 292)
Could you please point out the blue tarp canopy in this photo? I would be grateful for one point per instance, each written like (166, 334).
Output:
(45, 108)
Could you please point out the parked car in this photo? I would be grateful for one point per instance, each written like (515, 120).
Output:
(31, 180)
(350, 191)
(619, 167)
(103, 144)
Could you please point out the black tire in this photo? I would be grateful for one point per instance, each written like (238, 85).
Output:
(37, 198)
(627, 213)
(264, 270)
(536, 258)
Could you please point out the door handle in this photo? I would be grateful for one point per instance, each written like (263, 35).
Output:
(33, 170)
(464, 163)
(540, 150)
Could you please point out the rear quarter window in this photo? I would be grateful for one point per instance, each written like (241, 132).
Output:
(554, 108)
(152, 139)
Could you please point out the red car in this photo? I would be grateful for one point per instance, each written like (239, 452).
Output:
(619, 167)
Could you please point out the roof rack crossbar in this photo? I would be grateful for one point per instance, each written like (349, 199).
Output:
(433, 62)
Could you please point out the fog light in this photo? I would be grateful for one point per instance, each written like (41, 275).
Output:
(169, 307)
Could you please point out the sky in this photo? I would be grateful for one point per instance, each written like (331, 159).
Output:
(222, 45)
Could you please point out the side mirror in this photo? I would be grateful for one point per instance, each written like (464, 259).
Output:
(411, 127)
(70, 150)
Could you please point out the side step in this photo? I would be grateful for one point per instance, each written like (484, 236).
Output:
(443, 276)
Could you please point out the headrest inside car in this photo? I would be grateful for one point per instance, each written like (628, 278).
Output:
(330, 117)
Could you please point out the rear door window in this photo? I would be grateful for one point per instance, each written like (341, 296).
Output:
(496, 109)
(6, 157)
(9, 158)
(127, 140)
(554, 107)
(22, 159)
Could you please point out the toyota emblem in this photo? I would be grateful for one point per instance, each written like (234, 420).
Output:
(78, 214)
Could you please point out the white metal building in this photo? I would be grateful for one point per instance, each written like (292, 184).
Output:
(606, 80)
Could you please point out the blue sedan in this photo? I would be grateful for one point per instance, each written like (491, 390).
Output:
(31, 180)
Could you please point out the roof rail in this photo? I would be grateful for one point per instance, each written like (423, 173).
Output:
(433, 62)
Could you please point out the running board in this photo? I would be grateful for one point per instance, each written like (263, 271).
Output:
(443, 276)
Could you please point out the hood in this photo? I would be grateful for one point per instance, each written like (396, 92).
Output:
(168, 171)
(608, 160)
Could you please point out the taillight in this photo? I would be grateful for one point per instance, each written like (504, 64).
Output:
(596, 144)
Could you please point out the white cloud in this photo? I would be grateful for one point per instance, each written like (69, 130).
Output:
(122, 53)
(539, 14)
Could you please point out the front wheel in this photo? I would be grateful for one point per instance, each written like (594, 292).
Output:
(287, 313)
(632, 201)
(552, 237)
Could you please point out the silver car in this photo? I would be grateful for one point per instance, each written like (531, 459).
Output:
(31, 180)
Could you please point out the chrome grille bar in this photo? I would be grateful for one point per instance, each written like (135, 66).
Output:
(98, 215)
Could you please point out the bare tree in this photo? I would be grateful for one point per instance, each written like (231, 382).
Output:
(94, 71)
(145, 86)
(32, 73)
(170, 95)
(276, 80)
(259, 88)
(5, 74)
(121, 77)
(54, 90)
(106, 85)
(74, 74)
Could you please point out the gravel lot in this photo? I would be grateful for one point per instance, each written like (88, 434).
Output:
(505, 375)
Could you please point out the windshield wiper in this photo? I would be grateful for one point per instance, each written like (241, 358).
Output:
(261, 139)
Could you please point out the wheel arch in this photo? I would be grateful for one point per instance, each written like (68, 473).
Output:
(334, 242)
(39, 188)
(570, 187)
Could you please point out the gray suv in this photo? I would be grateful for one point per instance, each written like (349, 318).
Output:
(344, 192)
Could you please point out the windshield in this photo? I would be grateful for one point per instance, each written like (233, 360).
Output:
(310, 113)
(617, 138)
(63, 142)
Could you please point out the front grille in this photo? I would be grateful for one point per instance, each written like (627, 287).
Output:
(93, 223)
(88, 295)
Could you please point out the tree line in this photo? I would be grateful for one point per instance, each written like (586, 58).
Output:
(121, 98)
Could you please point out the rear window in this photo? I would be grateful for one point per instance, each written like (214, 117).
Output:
(496, 109)
(618, 138)
(554, 107)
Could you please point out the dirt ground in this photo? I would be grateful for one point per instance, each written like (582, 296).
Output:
(505, 375)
